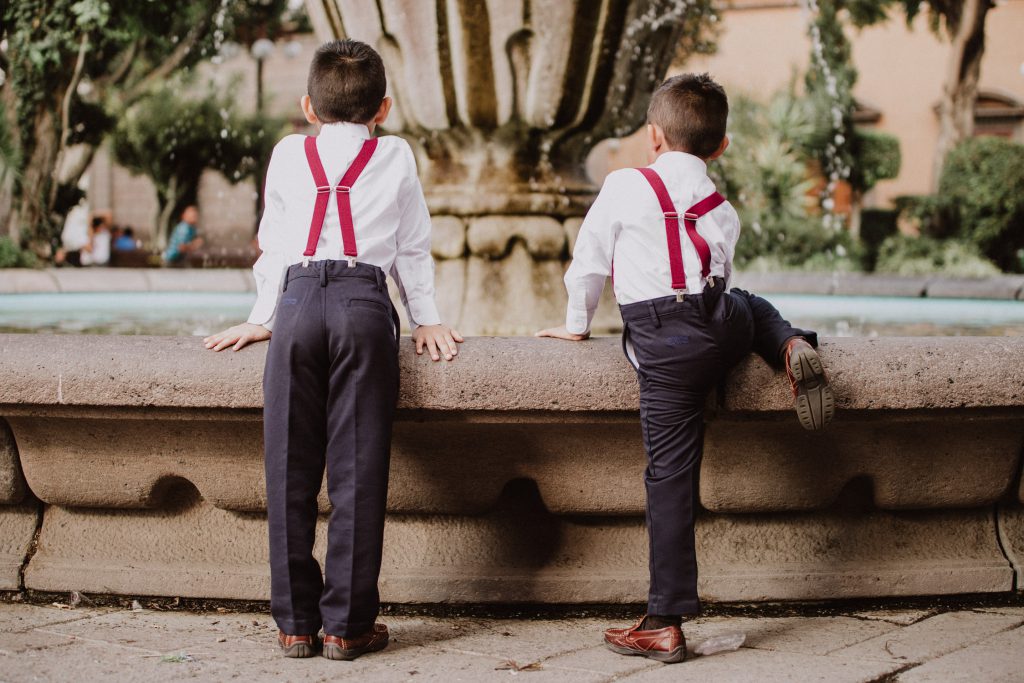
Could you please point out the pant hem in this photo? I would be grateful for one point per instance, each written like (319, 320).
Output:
(297, 628)
(670, 606)
(353, 630)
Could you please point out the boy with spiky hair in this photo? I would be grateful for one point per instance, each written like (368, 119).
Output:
(682, 330)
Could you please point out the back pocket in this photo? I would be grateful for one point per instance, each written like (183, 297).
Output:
(370, 304)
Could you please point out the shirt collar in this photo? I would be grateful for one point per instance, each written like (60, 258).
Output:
(344, 129)
(682, 161)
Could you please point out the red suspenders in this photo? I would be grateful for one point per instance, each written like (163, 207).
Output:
(323, 193)
(675, 247)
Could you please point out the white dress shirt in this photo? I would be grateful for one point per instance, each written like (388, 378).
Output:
(392, 224)
(626, 225)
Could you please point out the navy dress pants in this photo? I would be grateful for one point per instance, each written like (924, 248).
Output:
(682, 350)
(330, 389)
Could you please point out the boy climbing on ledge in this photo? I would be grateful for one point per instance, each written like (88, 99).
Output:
(667, 239)
(331, 379)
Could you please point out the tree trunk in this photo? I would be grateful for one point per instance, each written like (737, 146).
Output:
(960, 91)
(167, 200)
(39, 169)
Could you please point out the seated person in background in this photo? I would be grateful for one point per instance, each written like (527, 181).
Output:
(125, 239)
(97, 252)
(185, 237)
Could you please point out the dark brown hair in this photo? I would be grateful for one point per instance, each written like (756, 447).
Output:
(692, 111)
(346, 82)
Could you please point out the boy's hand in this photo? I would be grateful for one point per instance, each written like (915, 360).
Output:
(237, 336)
(562, 333)
(438, 340)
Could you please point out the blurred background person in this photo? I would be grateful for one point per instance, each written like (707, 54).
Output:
(185, 237)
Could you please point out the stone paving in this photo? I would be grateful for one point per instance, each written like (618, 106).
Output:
(55, 643)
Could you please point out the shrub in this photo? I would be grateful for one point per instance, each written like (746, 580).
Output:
(981, 198)
(875, 226)
(906, 255)
(876, 157)
(13, 256)
(765, 175)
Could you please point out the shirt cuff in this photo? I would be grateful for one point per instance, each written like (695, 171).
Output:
(422, 311)
(264, 312)
(577, 322)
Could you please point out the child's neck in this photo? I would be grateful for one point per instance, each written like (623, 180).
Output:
(371, 126)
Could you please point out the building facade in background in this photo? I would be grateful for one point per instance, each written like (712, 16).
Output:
(762, 45)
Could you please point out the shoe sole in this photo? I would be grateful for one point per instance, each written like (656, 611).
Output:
(815, 402)
(299, 650)
(337, 653)
(671, 657)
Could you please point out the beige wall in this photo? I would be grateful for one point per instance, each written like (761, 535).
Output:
(901, 73)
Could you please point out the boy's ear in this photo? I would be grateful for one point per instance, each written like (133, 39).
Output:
(721, 148)
(307, 110)
(655, 142)
(382, 112)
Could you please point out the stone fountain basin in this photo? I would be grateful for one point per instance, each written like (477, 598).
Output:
(516, 472)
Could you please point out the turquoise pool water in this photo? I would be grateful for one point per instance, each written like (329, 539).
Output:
(200, 313)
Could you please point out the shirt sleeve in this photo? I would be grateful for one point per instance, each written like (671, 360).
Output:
(591, 260)
(731, 233)
(413, 270)
(270, 267)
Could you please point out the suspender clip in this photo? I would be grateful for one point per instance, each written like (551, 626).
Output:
(351, 261)
(305, 262)
(711, 281)
(680, 295)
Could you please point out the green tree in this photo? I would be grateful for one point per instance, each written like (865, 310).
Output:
(72, 65)
(172, 140)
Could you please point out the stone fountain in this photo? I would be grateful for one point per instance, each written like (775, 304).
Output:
(502, 100)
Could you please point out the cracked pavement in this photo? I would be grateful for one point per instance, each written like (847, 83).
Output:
(57, 643)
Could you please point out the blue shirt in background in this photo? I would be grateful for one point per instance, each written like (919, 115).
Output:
(182, 234)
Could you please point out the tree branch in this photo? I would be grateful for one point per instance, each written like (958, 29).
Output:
(65, 111)
(172, 62)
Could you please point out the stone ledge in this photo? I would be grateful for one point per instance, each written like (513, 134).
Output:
(541, 240)
(506, 374)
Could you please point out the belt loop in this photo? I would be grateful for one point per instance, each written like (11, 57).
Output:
(380, 279)
(323, 273)
(287, 272)
(654, 314)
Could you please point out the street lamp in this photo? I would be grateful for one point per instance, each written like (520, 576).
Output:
(260, 50)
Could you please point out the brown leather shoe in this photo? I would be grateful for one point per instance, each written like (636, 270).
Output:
(815, 402)
(666, 645)
(336, 647)
(297, 646)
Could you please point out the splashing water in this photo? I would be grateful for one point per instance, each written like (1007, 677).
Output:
(835, 166)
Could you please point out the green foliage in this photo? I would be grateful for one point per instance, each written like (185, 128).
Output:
(700, 31)
(981, 198)
(876, 225)
(765, 175)
(98, 56)
(172, 140)
(876, 157)
(906, 255)
(10, 161)
(12, 256)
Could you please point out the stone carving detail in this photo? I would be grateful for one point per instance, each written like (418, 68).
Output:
(502, 99)
(12, 483)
